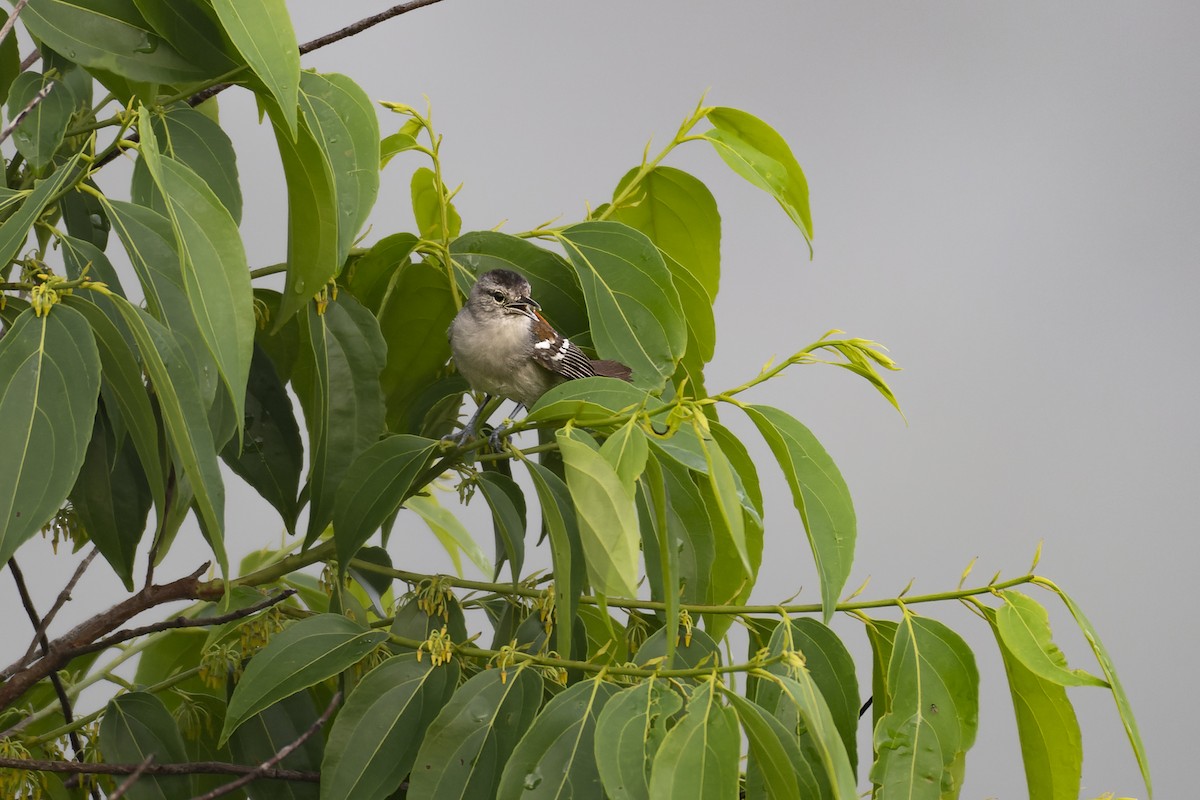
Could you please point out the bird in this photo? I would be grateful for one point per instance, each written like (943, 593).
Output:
(504, 347)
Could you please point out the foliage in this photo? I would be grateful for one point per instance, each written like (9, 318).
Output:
(604, 677)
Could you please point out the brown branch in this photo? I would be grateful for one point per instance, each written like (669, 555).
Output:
(275, 759)
(184, 768)
(133, 777)
(12, 18)
(63, 597)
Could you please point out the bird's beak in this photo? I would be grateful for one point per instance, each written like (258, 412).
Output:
(525, 305)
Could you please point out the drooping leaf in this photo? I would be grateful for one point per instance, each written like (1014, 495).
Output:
(756, 151)
(374, 486)
(10, 61)
(722, 481)
(450, 531)
(1025, 627)
(374, 740)
(632, 303)
(1051, 745)
(136, 725)
(427, 208)
(15, 229)
(820, 495)
(50, 370)
(608, 524)
(267, 733)
(85, 219)
(698, 758)
(308, 652)
(822, 744)
(586, 400)
(40, 134)
(261, 30)
(555, 758)
(369, 276)
(271, 456)
(775, 767)
(468, 744)
(507, 502)
(627, 451)
(690, 531)
(566, 549)
(82, 257)
(196, 141)
(108, 37)
(191, 27)
(881, 633)
(337, 381)
(629, 732)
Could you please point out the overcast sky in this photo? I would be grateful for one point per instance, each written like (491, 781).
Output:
(1002, 193)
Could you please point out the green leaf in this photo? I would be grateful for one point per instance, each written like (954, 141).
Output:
(264, 735)
(821, 743)
(261, 30)
(627, 451)
(337, 382)
(196, 141)
(272, 455)
(754, 150)
(306, 653)
(136, 725)
(343, 121)
(566, 550)
(10, 61)
(427, 208)
(111, 37)
(692, 651)
(413, 320)
(215, 274)
(820, 495)
(632, 303)
(552, 280)
(555, 758)
(469, 742)
(507, 502)
(723, 482)
(1110, 672)
(312, 251)
(374, 487)
(1025, 627)
(191, 28)
(51, 377)
(415, 620)
(15, 229)
(774, 763)
(374, 740)
(1051, 746)
(40, 134)
(608, 525)
(393, 145)
(111, 499)
(933, 692)
(369, 276)
(690, 531)
(698, 759)
(86, 221)
(450, 531)
(586, 400)
(882, 635)
(629, 732)
(80, 256)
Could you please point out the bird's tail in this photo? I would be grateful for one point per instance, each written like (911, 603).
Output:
(612, 369)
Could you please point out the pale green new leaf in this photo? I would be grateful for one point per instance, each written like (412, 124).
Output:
(427, 208)
(629, 732)
(450, 531)
(555, 759)
(698, 759)
(262, 32)
(1025, 627)
(627, 451)
(50, 370)
(308, 652)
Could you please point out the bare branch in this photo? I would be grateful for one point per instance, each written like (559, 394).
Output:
(132, 779)
(275, 759)
(184, 768)
(63, 597)
(12, 19)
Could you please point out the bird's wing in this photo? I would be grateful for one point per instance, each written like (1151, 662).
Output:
(556, 353)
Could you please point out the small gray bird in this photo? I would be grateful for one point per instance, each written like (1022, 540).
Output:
(504, 347)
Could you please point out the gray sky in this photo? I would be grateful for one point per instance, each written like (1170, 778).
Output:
(1002, 194)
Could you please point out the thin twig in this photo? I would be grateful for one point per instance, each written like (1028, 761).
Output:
(63, 597)
(12, 18)
(132, 779)
(24, 112)
(283, 753)
(183, 768)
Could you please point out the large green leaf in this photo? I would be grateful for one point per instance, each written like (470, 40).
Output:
(566, 550)
(136, 725)
(756, 151)
(819, 493)
(271, 455)
(933, 713)
(264, 735)
(698, 758)
(195, 140)
(723, 483)
(110, 36)
(1110, 672)
(627, 451)
(775, 767)
(374, 487)
(556, 756)
(337, 381)
(690, 533)
(374, 740)
(86, 220)
(553, 282)
(1025, 627)
(586, 400)
(261, 30)
(215, 274)
(41, 132)
(111, 499)
(308, 652)
(634, 308)
(507, 503)
(191, 27)
(413, 321)
(608, 525)
(15, 229)
(1051, 745)
(369, 276)
(629, 732)
(50, 371)
(468, 744)
(822, 744)
(342, 118)
(10, 61)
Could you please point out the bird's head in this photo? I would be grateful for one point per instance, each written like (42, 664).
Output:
(502, 292)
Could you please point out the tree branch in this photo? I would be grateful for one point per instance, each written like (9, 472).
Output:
(12, 18)
(63, 597)
(24, 112)
(185, 768)
(133, 777)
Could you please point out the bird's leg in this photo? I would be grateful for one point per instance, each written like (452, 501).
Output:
(499, 431)
(468, 431)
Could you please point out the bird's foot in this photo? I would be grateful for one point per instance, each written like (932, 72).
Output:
(498, 434)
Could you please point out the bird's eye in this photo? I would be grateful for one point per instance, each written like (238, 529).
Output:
(498, 296)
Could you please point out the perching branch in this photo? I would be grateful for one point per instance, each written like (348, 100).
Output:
(133, 778)
(186, 768)
(63, 597)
